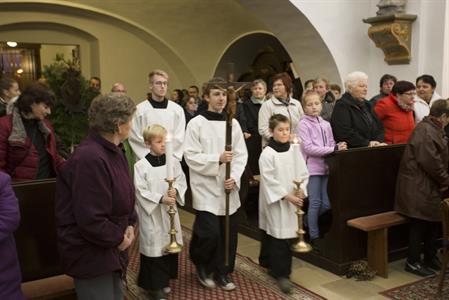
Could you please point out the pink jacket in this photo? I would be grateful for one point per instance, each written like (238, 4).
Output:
(317, 140)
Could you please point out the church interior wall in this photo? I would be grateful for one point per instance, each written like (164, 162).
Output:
(55, 34)
(128, 39)
(310, 55)
(197, 31)
(243, 52)
(121, 56)
(340, 24)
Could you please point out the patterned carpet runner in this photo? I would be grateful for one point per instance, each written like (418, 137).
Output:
(252, 281)
(423, 289)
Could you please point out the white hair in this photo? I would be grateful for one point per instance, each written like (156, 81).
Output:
(354, 78)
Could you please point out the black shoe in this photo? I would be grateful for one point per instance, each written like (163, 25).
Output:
(224, 282)
(263, 264)
(157, 295)
(205, 279)
(285, 285)
(418, 269)
(315, 245)
(434, 264)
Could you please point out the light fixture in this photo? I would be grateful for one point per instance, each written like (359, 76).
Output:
(11, 44)
(19, 71)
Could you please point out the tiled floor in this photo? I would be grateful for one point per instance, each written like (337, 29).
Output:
(322, 282)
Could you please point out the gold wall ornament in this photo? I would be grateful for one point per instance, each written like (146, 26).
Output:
(393, 34)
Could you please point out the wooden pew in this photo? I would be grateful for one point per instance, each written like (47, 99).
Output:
(42, 275)
(362, 182)
(377, 228)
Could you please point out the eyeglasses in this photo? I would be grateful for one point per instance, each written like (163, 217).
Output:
(161, 83)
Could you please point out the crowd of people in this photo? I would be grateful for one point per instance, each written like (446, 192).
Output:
(137, 160)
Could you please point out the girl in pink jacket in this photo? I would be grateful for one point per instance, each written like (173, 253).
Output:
(317, 141)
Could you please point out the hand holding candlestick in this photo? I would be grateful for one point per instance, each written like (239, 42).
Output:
(173, 246)
(300, 246)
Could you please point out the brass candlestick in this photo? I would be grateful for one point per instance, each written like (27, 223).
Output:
(173, 246)
(300, 246)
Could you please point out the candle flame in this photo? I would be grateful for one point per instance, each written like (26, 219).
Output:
(294, 139)
(168, 137)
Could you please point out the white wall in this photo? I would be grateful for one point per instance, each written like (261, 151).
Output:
(341, 27)
(445, 77)
(311, 56)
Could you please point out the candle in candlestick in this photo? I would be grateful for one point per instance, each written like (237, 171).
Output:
(169, 157)
(296, 155)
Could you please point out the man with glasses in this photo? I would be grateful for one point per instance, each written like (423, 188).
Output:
(158, 110)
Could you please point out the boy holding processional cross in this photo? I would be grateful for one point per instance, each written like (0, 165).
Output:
(205, 154)
(159, 183)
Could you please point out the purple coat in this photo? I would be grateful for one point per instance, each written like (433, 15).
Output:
(94, 205)
(10, 276)
(317, 141)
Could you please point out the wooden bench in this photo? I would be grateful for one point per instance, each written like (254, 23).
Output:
(42, 276)
(56, 287)
(377, 228)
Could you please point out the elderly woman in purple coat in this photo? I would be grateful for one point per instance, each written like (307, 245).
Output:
(10, 277)
(95, 214)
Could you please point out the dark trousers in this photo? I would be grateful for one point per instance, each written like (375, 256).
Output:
(156, 272)
(207, 247)
(107, 286)
(426, 232)
(275, 254)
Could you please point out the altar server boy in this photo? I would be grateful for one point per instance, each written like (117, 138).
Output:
(157, 109)
(278, 200)
(204, 152)
(153, 200)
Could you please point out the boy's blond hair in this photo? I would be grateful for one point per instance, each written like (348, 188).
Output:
(157, 72)
(154, 131)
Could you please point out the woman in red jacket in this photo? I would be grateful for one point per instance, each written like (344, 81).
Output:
(396, 113)
(27, 139)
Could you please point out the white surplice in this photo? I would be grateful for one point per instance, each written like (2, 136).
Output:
(276, 216)
(203, 144)
(154, 221)
(171, 118)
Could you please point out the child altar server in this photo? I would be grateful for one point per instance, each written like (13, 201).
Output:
(280, 164)
(204, 152)
(157, 109)
(153, 199)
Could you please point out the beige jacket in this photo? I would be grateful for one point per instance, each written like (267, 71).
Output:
(273, 106)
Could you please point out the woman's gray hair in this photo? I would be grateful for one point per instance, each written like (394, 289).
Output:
(108, 111)
(354, 78)
(259, 81)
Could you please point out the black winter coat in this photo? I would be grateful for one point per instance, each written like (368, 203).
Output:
(355, 122)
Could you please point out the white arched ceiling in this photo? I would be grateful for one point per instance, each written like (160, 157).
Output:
(310, 55)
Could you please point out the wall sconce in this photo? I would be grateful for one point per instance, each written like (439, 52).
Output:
(391, 31)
